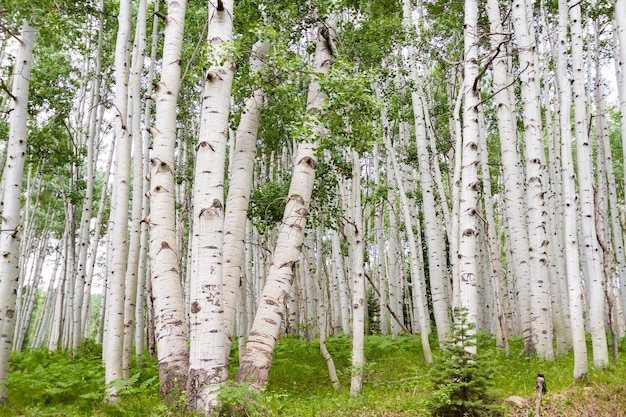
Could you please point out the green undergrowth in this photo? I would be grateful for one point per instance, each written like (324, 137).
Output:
(397, 382)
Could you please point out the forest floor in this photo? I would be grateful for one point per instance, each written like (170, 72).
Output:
(396, 383)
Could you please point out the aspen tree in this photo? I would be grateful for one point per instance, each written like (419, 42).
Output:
(433, 225)
(468, 209)
(83, 238)
(570, 219)
(142, 271)
(257, 357)
(353, 230)
(589, 245)
(11, 199)
(134, 127)
(237, 201)
(420, 297)
(512, 169)
(112, 350)
(169, 314)
(207, 359)
(538, 335)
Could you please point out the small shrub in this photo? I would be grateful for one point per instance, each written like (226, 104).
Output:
(462, 380)
(239, 400)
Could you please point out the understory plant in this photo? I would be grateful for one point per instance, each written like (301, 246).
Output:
(462, 379)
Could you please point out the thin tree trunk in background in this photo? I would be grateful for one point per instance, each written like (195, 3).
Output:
(87, 202)
(433, 225)
(165, 280)
(134, 130)
(421, 307)
(495, 275)
(379, 233)
(142, 271)
(340, 277)
(11, 200)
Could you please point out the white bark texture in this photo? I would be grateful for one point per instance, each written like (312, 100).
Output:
(570, 212)
(207, 359)
(11, 200)
(169, 317)
(589, 246)
(134, 130)
(257, 357)
(433, 225)
(353, 230)
(512, 170)
(238, 198)
(468, 203)
(540, 338)
(419, 296)
(112, 350)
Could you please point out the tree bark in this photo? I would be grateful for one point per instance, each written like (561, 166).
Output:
(11, 200)
(169, 313)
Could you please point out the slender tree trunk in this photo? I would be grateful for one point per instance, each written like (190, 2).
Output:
(540, 338)
(420, 297)
(238, 198)
(11, 200)
(134, 127)
(142, 271)
(165, 280)
(570, 222)
(353, 230)
(257, 357)
(112, 351)
(433, 225)
(470, 183)
(589, 248)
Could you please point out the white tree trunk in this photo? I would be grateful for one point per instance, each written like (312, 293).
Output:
(207, 359)
(589, 245)
(112, 351)
(433, 225)
(238, 198)
(354, 232)
(468, 203)
(136, 137)
(420, 297)
(570, 213)
(540, 339)
(257, 357)
(512, 170)
(169, 315)
(142, 270)
(11, 200)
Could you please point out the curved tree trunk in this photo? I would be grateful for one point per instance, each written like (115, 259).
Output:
(257, 357)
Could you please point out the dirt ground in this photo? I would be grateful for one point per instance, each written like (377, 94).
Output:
(589, 401)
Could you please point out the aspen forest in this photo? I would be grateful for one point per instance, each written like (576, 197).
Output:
(312, 207)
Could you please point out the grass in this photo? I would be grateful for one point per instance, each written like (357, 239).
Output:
(396, 383)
